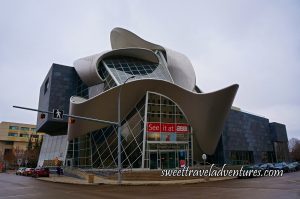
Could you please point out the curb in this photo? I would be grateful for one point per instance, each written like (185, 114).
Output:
(140, 183)
(70, 182)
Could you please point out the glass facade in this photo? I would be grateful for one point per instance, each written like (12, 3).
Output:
(241, 157)
(124, 67)
(116, 70)
(168, 136)
(163, 141)
(52, 147)
(109, 83)
(79, 152)
(98, 149)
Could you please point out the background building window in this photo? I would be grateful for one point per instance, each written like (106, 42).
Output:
(13, 134)
(13, 127)
(24, 128)
(8, 142)
(24, 135)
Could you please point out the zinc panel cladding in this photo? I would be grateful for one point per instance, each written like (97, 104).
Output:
(61, 86)
(278, 132)
(246, 132)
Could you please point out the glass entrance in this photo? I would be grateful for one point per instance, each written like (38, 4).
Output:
(167, 135)
(153, 160)
(167, 159)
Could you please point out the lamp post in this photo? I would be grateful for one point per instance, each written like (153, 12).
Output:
(119, 132)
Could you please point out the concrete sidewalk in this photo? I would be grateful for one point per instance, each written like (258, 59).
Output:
(98, 180)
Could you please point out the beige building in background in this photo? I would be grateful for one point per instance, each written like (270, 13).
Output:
(15, 137)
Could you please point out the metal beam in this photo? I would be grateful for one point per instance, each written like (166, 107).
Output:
(67, 115)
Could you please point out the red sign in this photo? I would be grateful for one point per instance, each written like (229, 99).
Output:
(182, 163)
(167, 127)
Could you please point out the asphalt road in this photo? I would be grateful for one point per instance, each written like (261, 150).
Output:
(286, 187)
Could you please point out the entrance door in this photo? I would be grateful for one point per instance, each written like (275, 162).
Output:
(168, 159)
(172, 160)
(164, 160)
(153, 160)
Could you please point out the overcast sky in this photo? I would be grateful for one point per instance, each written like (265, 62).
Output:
(253, 43)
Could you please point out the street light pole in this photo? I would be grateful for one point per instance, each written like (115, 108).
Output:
(119, 132)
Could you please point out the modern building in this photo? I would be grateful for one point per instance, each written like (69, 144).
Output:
(248, 138)
(15, 139)
(166, 120)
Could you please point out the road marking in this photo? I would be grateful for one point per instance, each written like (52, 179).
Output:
(30, 194)
(23, 187)
(13, 188)
(293, 181)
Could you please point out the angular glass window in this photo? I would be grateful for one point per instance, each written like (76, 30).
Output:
(123, 67)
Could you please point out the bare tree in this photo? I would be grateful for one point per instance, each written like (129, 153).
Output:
(33, 151)
(19, 153)
(294, 145)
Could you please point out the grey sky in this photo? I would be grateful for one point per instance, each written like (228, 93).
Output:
(253, 43)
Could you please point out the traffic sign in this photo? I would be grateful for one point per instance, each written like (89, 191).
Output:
(19, 162)
(58, 114)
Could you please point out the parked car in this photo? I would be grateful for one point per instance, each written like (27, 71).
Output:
(292, 167)
(282, 166)
(267, 166)
(297, 165)
(41, 172)
(258, 164)
(28, 172)
(20, 171)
